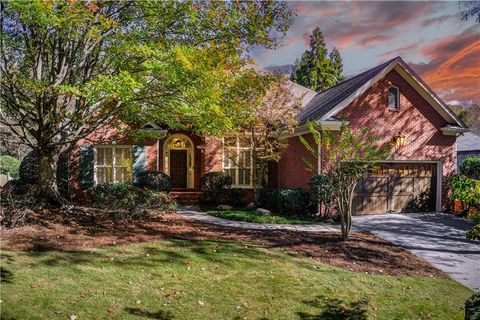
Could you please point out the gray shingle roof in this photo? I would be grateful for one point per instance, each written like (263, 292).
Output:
(469, 141)
(327, 100)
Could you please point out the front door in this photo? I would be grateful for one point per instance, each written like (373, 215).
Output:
(178, 168)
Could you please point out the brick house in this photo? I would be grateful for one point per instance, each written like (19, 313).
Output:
(390, 99)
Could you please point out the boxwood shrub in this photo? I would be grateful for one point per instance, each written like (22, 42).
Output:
(129, 197)
(472, 307)
(213, 186)
(154, 180)
(287, 201)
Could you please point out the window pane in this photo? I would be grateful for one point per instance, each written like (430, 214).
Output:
(100, 156)
(108, 175)
(120, 175)
(108, 157)
(393, 98)
(230, 142)
(244, 142)
(244, 176)
(231, 173)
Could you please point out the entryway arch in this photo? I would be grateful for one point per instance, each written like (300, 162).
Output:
(178, 160)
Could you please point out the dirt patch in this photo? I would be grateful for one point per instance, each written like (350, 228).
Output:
(364, 252)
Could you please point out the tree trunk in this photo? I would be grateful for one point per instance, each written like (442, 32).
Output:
(47, 188)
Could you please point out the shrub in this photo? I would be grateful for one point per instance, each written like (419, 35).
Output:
(9, 165)
(470, 167)
(234, 196)
(28, 171)
(154, 180)
(320, 192)
(468, 191)
(130, 197)
(287, 201)
(472, 307)
(213, 185)
(420, 203)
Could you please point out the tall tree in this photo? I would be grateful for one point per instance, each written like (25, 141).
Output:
(316, 69)
(349, 156)
(69, 67)
(337, 65)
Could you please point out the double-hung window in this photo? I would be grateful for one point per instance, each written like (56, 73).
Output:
(113, 164)
(393, 98)
(237, 160)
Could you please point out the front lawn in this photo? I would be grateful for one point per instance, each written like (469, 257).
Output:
(241, 214)
(194, 279)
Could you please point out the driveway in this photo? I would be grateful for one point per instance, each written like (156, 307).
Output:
(437, 238)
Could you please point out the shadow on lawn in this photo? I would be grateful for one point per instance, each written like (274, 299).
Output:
(69, 232)
(335, 309)
(144, 314)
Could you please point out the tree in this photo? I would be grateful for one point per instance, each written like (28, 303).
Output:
(470, 8)
(271, 114)
(9, 165)
(337, 65)
(348, 157)
(70, 67)
(316, 69)
(470, 114)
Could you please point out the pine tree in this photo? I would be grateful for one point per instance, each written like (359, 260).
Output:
(337, 65)
(316, 69)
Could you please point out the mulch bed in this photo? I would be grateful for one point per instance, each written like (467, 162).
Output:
(364, 252)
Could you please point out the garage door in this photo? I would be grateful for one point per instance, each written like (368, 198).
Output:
(396, 187)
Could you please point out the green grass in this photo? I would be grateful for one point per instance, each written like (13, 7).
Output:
(252, 216)
(166, 280)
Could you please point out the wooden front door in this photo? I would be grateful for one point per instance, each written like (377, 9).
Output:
(178, 168)
(397, 187)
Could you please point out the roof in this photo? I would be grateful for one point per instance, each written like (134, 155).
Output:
(330, 102)
(469, 141)
(327, 100)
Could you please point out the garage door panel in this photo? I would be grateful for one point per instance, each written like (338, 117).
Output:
(402, 203)
(375, 204)
(423, 184)
(376, 185)
(358, 204)
(402, 185)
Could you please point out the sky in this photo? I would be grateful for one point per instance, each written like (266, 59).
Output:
(430, 36)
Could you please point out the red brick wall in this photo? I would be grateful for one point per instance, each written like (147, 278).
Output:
(292, 171)
(415, 119)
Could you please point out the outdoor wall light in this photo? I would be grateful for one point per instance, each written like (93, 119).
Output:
(400, 141)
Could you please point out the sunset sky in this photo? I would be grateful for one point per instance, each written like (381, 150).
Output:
(429, 36)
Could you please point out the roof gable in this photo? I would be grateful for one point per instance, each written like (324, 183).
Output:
(330, 102)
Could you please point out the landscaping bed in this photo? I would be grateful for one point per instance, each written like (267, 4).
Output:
(84, 228)
(250, 215)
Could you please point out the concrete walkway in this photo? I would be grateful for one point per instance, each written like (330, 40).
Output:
(196, 214)
(434, 237)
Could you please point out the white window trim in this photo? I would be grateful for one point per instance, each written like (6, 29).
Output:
(236, 166)
(398, 98)
(111, 146)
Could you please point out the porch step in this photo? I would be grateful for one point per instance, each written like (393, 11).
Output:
(186, 197)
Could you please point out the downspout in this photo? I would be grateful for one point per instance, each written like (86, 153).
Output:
(319, 165)
(158, 154)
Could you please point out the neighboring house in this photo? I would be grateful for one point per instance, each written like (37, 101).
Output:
(468, 145)
(390, 99)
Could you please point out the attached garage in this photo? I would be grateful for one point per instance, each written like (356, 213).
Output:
(398, 187)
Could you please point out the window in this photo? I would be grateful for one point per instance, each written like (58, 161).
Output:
(113, 164)
(237, 160)
(393, 98)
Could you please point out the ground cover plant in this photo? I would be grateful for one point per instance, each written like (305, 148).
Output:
(250, 215)
(211, 279)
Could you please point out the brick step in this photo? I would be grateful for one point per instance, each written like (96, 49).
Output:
(186, 197)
